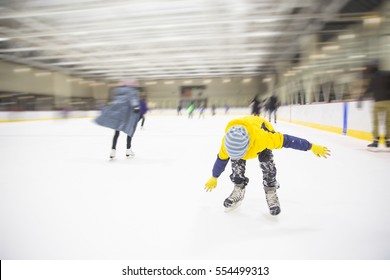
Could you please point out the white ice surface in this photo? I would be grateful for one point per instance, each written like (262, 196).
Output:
(62, 198)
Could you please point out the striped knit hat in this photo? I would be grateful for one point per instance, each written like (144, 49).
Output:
(236, 142)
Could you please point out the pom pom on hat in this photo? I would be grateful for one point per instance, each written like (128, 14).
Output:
(236, 142)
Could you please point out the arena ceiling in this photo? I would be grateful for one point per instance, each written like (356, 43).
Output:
(167, 39)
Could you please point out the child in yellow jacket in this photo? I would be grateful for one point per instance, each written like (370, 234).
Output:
(247, 138)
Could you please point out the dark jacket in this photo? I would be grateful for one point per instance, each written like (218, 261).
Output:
(273, 103)
(256, 106)
(379, 86)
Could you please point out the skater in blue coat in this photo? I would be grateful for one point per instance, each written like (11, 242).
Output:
(122, 113)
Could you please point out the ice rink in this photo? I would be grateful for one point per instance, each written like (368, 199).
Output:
(62, 198)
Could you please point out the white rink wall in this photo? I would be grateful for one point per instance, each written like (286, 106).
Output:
(340, 117)
(43, 115)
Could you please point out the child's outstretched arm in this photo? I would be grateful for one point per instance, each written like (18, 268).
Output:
(218, 168)
(304, 145)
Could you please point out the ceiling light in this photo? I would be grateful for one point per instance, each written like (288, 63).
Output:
(357, 56)
(42, 74)
(317, 56)
(95, 84)
(73, 80)
(358, 69)
(335, 71)
(372, 20)
(346, 36)
(21, 70)
(330, 48)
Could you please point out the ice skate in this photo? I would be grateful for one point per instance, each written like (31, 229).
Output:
(272, 200)
(235, 198)
(113, 153)
(387, 149)
(129, 153)
(373, 147)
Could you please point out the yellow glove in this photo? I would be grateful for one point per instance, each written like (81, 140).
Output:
(320, 151)
(211, 184)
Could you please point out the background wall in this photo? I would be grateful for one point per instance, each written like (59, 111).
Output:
(236, 91)
(340, 117)
(17, 78)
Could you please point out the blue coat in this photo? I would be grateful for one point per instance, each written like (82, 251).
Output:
(122, 113)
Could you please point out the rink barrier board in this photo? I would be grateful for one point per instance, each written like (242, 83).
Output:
(363, 135)
(342, 129)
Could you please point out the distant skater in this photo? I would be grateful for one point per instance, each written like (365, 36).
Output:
(143, 110)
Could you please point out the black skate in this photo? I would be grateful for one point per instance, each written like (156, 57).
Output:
(235, 198)
(373, 147)
(272, 200)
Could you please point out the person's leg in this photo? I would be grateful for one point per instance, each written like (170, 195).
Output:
(275, 116)
(129, 152)
(141, 119)
(375, 119)
(128, 142)
(386, 109)
(240, 181)
(375, 127)
(238, 172)
(270, 183)
(268, 168)
(114, 141)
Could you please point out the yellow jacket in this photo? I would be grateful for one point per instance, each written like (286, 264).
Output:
(261, 136)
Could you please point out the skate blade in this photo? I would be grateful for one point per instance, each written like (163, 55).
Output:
(230, 209)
